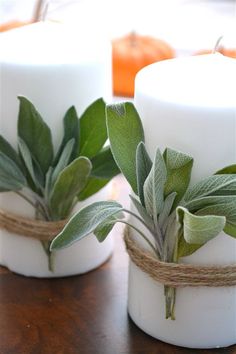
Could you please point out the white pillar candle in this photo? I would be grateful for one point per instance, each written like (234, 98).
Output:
(189, 104)
(55, 67)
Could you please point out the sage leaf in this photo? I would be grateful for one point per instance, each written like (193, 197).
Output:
(143, 213)
(35, 133)
(92, 186)
(168, 204)
(11, 177)
(93, 131)
(71, 131)
(228, 190)
(154, 187)
(230, 229)
(125, 132)
(210, 185)
(186, 249)
(84, 222)
(26, 156)
(9, 151)
(179, 168)
(199, 203)
(104, 165)
(199, 229)
(227, 170)
(103, 229)
(143, 168)
(227, 209)
(63, 159)
(69, 183)
(48, 184)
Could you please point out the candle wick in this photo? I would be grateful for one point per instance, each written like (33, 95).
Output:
(39, 9)
(217, 45)
(45, 11)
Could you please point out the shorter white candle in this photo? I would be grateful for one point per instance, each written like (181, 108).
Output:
(189, 104)
(55, 67)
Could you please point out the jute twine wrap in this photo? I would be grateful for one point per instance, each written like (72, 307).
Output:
(37, 229)
(179, 275)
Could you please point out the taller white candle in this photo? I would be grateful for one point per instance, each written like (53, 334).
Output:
(55, 67)
(189, 104)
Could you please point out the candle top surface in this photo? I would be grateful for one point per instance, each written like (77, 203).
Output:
(204, 80)
(47, 43)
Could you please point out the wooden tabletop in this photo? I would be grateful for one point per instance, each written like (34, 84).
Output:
(84, 314)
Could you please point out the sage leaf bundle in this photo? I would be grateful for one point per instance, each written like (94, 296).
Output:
(178, 218)
(54, 182)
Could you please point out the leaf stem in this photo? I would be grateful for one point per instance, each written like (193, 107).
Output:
(140, 219)
(159, 239)
(143, 236)
(170, 235)
(42, 204)
(159, 244)
(22, 195)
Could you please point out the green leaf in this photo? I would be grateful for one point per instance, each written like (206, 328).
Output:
(93, 186)
(26, 156)
(168, 204)
(227, 170)
(8, 151)
(227, 209)
(186, 249)
(69, 183)
(143, 213)
(200, 203)
(93, 131)
(228, 190)
(11, 177)
(179, 168)
(35, 133)
(125, 132)
(210, 185)
(71, 131)
(230, 229)
(84, 222)
(199, 229)
(154, 187)
(48, 184)
(63, 159)
(104, 165)
(143, 168)
(103, 229)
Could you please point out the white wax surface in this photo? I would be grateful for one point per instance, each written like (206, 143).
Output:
(205, 317)
(202, 81)
(189, 104)
(55, 67)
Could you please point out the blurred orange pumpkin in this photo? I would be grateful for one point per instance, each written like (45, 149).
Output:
(130, 54)
(228, 52)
